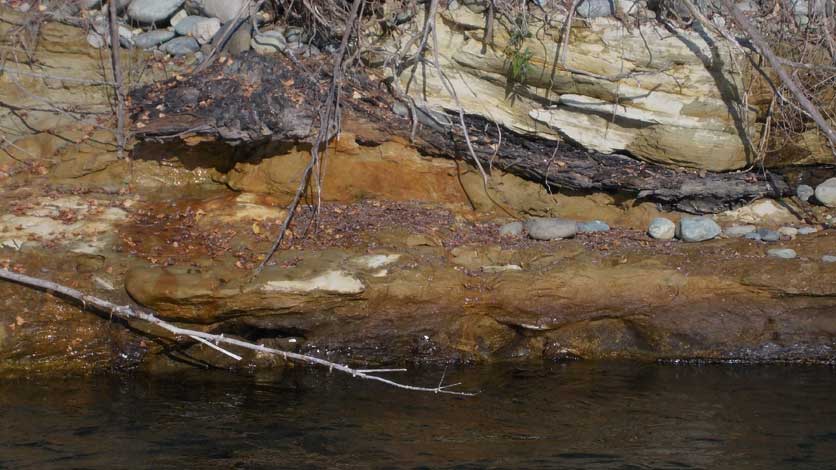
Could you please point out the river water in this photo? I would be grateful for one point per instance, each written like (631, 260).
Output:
(574, 415)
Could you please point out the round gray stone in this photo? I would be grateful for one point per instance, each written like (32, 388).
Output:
(807, 230)
(181, 46)
(828, 259)
(661, 228)
(593, 226)
(804, 192)
(152, 11)
(513, 229)
(753, 236)
(551, 228)
(737, 231)
(785, 253)
(768, 235)
(595, 8)
(826, 192)
(152, 38)
(697, 229)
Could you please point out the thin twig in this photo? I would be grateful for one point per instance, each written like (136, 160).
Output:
(118, 89)
(329, 114)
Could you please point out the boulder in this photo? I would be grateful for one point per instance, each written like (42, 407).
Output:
(513, 229)
(785, 253)
(697, 229)
(826, 192)
(152, 38)
(662, 229)
(152, 11)
(593, 226)
(551, 228)
(181, 46)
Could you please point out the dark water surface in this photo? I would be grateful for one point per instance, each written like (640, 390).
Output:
(578, 415)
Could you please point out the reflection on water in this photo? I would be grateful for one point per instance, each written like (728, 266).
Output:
(578, 415)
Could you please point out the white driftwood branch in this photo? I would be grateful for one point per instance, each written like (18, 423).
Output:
(127, 312)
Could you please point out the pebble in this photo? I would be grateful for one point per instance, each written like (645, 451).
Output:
(513, 229)
(181, 46)
(662, 229)
(697, 229)
(807, 230)
(828, 259)
(826, 192)
(551, 228)
(593, 226)
(152, 38)
(152, 11)
(804, 192)
(788, 231)
(785, 253)
(737, 231)
(768, 235)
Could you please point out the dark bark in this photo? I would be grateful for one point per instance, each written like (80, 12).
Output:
(257, 100)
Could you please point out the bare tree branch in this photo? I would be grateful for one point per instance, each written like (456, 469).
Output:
(776, 63)
(127, 312)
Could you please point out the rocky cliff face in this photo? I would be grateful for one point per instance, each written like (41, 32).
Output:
(665, 96)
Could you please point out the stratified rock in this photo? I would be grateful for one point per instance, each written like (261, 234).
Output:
(697, 229)
(593, 226)
(269, 42)
(826, 192)
(513, 229)
(768, 235)
(199, 27)
(804, 192)
(828, 259)
(181, 46)
(662, 229)
(152, 38)
(762, 212)
(785, 253)
(551, 228)
(737, 231)
(152, 11)
(595, 8)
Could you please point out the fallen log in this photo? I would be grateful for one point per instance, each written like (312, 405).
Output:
(254, 100)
